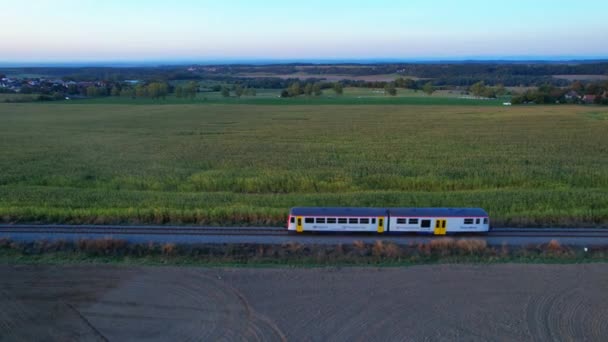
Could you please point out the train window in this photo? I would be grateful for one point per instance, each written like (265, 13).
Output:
(309, 220)
(401, 221)
(364, 221)
(425, 223)
(353, 221)
(443, 224)
(373, 221)
(293, 219)
(320, 220)
(413, 221)
(342, 220)
(331, 220)
(477, 221)
(485, 220)
(468, 221)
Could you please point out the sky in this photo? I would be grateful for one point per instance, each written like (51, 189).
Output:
(38, 31)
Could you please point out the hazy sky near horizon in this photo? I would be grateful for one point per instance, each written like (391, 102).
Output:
(80, 30)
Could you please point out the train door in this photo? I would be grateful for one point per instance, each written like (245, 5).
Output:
(440, 226)
(380, 225)
(299, 227)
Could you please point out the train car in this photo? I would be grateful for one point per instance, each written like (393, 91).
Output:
(337, 220)
(437, 221)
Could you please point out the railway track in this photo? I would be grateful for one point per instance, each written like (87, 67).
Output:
(549, 232)
(274, 231)
(140, 230)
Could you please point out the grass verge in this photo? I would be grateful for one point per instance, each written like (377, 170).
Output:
(358, 253)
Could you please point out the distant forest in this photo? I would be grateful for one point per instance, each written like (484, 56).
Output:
(533, 83)
(455, 74)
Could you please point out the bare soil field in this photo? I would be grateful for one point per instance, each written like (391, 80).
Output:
(441, 302)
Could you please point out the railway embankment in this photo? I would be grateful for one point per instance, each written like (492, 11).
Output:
(379, 253)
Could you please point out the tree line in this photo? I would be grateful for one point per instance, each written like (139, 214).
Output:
(576, 93)
(310, 88)
(443, 74)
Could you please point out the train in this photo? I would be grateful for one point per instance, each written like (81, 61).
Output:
(436, 221)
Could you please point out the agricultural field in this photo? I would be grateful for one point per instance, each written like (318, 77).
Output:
(230, 164)
(17, 97)
(351, 96)
(331, 77)
(512, 302)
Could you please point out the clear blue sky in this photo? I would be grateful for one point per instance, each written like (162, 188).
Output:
(81, 30)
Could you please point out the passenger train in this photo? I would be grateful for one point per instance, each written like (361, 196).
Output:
(437, 221)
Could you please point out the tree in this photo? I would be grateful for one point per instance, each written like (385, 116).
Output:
(478, 89)
(250, 91)
(407, 83)
(316, 89)
(500, 90)
(400, 82)
(190, 90)
(308, 89)
(72, 89)
(225, 92)
(540, 98)
(428, 88)
(140, 90)
(127, 92)
(28, 90)
(593, 89)
(102, 91)
(239, 90)
(598, 99)
(489, 92)
(516, 100)
(92, 91)
(153, 90)
(338, 88)
(389, 89)
(163, 90)
(577, 86)
(115, 91)
(179, 92)
(410, 84)
(294, 89)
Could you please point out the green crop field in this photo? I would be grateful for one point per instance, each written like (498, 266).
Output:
(351, 96)
(18, 97)
(88, 162)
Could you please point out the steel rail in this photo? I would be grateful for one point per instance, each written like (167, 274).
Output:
(274, 231)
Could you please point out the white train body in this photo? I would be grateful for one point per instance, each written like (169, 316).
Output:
(337, 220)
(437, 221)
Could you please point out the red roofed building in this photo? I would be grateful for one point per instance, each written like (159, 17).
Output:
(589, 98)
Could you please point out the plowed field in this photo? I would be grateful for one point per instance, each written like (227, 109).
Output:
(445, 302)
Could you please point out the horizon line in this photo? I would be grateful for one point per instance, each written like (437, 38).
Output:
(125, 62)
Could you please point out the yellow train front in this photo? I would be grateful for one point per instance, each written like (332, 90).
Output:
(437, 221)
